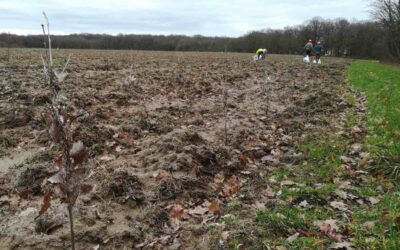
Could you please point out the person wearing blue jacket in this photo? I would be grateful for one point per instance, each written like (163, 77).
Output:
(318, 49)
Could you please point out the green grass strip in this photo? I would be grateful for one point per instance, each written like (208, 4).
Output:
(381, 85)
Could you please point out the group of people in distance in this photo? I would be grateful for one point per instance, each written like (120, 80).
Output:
(309, 50)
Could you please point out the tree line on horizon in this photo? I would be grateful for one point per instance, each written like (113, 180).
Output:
(340, 37)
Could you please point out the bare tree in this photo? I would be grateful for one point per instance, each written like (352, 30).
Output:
(387, 12)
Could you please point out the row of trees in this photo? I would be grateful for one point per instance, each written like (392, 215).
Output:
(387, 12)
(340, 38)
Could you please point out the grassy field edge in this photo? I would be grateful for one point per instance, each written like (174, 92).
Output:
(381, 86)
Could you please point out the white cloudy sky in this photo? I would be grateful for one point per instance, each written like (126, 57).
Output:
(205, 17)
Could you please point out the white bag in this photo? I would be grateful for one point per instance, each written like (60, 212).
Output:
(306, 59)
(319, 61)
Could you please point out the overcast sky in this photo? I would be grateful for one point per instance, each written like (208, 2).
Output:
(205, 17)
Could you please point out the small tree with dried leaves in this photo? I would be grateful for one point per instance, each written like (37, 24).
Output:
(65, 184)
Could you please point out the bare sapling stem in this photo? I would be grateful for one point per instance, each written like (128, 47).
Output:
(8, 47)
(225, 99)
(48, 32)
(66, 64)
(71, 225)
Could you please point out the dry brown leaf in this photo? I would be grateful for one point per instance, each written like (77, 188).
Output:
(176, 211)
(330, 229)
(328, 226)
(46, 204)
(214, 207)
(245, 160)
(86, 188)
(219, 179)
(161, 175)
(123, 136)
(232, 186)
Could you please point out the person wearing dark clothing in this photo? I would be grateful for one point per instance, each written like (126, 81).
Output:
(319, 49)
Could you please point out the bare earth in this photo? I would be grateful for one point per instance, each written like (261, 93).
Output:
(154, 124)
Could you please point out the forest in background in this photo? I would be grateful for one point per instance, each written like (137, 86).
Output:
(340, 38)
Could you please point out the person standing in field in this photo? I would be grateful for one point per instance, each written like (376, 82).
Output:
(319, 49)
(308, 48)
(261, 54)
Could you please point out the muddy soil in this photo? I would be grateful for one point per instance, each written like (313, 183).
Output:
(162, 164)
